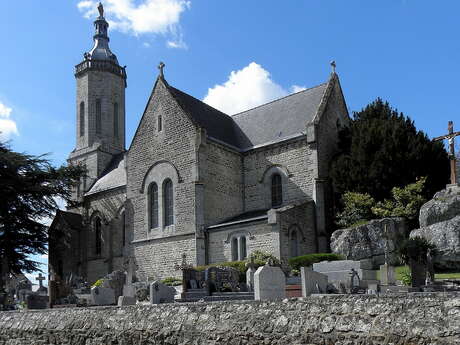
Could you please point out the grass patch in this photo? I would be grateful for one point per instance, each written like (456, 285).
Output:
(399, 272)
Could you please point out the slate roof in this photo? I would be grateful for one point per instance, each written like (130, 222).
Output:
(243, 217)
(217, 124)
(73, 219)
(114, 176)
(279, 119)
(265, 124)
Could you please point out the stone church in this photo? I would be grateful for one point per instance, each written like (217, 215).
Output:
(194, 180)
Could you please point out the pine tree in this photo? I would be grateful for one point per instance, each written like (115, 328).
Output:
(382, 149)
(29, 187)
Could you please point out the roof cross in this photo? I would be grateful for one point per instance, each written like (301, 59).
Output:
(40, 279)
(333, 65)
(450, 136)
(100, 8)
(161, 66)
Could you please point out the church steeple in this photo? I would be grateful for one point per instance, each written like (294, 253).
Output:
(101, 50)
(100, 105)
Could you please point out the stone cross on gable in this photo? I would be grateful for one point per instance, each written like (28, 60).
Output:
(40, 279)
(161, 66)
(450, 136)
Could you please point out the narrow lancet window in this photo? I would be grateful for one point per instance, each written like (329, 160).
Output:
(160, 123)
(115, 120)
(153, 195)
(168, 202)
(98, 236)
(277, 190)
(98, 116)
(82, 119)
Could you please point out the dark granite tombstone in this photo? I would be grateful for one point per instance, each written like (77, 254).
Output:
(35, 301)
(418, 273)
(223, 278)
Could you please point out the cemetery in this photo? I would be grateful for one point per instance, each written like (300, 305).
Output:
(289, 222)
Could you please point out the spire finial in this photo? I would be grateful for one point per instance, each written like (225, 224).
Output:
(161, 65)
(100, 8)
(333, 65)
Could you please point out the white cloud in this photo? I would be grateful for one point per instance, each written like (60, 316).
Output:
(5, 111)
(297, 88)
(146, 44)
(246, 89)
(7, 126)
(179, 44)
(139, 17)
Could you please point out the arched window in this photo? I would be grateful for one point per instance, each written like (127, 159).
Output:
(82, 119)
(153, 199)
(238, 248)
(242, 255)
(98, 116)
(168, 202)
(123, 227)
(160, 123)
(277, 190)
(294, 244)
(115, 120)
(98, 236)
(235, 249)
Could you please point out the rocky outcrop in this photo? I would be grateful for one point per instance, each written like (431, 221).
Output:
(368, 241)
(440, 225)
(445, 205)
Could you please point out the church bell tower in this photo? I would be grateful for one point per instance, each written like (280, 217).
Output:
(100, 107)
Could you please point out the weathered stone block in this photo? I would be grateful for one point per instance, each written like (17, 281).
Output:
(269, 283)
(312, 282)
(161, 293)
(102, 296)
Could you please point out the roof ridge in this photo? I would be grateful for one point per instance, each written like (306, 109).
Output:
(278, 99)
(199, 100)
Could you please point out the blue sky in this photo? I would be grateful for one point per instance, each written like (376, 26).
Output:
(234, 54)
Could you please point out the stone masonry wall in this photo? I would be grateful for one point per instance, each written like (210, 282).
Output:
(331, 320)
(259, 236)
(222, 176)
(295, 156)
(301, 219)
(174, 146)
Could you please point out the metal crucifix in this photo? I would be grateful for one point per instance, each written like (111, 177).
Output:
(450, 137)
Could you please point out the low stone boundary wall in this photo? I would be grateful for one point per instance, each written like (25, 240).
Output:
(339, 320)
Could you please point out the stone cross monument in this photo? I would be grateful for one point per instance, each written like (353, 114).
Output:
(450, 136)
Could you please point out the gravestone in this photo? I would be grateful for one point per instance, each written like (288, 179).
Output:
(312, 282)
(387, 275)
(223, 278)
(126, 300)
(161, 293)
(418, 273)
(128, 288)
(269, 283)
(250, 278)
(41, 289)
(35, 301)
(339, 271)
(103, 295)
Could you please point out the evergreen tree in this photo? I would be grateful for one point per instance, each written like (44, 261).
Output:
(382, 149)
(29, 187)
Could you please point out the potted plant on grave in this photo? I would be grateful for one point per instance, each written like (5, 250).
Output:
(413, 251)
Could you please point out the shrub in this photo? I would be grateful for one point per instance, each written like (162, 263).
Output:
(172, 281)
(98, 282)
(415, 248)
(356, 207)
(406, 202)
(260, 258)
(240, 266)
(307, 260)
